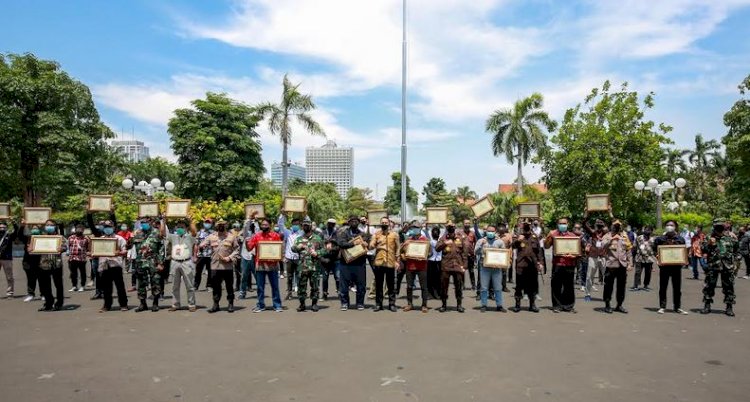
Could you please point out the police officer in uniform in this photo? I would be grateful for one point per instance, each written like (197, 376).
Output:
(722, 251)
(528, 266)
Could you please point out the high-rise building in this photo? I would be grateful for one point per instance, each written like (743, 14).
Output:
(134, 150)
(295, 171)
(331, 164)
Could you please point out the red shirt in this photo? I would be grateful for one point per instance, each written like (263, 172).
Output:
(125, 234)
(559, 260)
(252, 242)
(414, 265)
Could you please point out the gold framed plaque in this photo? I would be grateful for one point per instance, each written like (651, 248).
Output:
(177, 208)
(567, 245)
(295, 204)
(100, 203)
(148, 209)
(676, 254)
(36, 216)
(4, 210)
(482, 207)
(496, 257)
(270, 250)
(260, 208)
(45, 244)
(437, 215)
(103, 246)
(529, 210)
(374, 217)
(597, 202)
(352, 253)
(417, 250)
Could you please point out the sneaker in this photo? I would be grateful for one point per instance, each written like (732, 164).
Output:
(28, 298)
(583, 288)
(587, 298)
(746, 277)
(242, 296)
(90, 283)
(646, 288)
(278, 310)
(344, 307)
(593, 288)
(681, 311)
(73, 289)
(635, 289)
(360, 307)
(661, 311)
(9, 293)
(257, 310)
(81, 289)
(483, 309)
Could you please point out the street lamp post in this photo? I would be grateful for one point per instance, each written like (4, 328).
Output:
(149, 189)
(659, 189)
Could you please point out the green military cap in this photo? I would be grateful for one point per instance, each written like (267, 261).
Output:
(307, 221)
(719, 221)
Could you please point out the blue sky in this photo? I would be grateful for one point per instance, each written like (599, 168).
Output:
(143, 59)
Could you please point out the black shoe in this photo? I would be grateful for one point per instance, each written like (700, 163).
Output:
(230, 308)
(555, 310)
(621, 309)
(533, 308)
(155, 307)
(706, 309)
(288, 296)
(730, 311)
(325, 296)
(301, 307)
(517, 308)
(97, 296)
(142, 307)
(443, 308)
(460, 309)
(392, 307)
(214, 309)
(608, 309)
(378, 308)
(45, 308)
(483, 309)
(501, 309)
(315, 307)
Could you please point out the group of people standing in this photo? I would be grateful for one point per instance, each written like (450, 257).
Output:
(312, 255)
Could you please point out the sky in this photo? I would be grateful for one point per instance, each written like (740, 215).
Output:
(144, 59)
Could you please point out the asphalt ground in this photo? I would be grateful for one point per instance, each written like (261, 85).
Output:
(81, 355)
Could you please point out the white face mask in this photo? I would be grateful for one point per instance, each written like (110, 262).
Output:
(670, 229)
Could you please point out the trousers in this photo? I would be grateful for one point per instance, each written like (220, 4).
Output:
(491, 277)
(645, 268)
(109, 277)
(727, 285)
(311, 278)
(666, 273)
(292, 274)
(352, 275)
(562, 283)
(225, 276)
(8, 268)
(31, 278)
(46, 278)
(77, 268)
(183, 271)
(527, 281)
(433, 279)
(612, 275)
(458, 284)
(203, 262)
(387, 275)
(148, 276)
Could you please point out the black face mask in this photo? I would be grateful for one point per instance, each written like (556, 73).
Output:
(647, 234)
(600, 227)
(354, 226)
(467, 228)
(435, 235)
(451, 229)
(384, 227)
(221, 228)
(617, 228)
(331, 226)
(306, 228)
(526, 228)
(719, 228)
(265, 229)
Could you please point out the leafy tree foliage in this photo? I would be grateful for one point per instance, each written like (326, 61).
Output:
(737, 143)
(392, 201)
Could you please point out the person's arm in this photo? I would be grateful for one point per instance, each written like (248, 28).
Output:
(235, 249)
(606, 240)
(250, 243)
(440, 244)
(343, 240)
(163, 229)
(92, 225)
(478, 246)
(548, 239)
(113, 218)
(476, 230)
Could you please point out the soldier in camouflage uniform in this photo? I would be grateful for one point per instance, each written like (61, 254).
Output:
(721, 251)
(310, 247)
(149, 263)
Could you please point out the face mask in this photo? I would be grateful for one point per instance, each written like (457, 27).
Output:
(108, 231)
(467, 228)
(145, 226)
(617, 228)
(275, 229)
(354, 225)
(207, 226)
(451, 229)
(647, 233)
(526, 227)
(295, 228)
(307, 228)
(236, 227)
(35, 232)
(3, 230)
(221, 228)
(600, 227)
(384, 227)
(562, 227)
(414, 232)
(331, 226)
(265, 229)
(98, 227)
(79, 232)
(435, 235)
(670, 229)
(49, 229)
(180, 231)
(490, 235)
(719, 228)
(123, 228)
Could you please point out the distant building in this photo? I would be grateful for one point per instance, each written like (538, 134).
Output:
(295, 171)
(512, 188)
(134, 151)
(331, 164)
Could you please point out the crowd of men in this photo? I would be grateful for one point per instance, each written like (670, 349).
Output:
(313, 255)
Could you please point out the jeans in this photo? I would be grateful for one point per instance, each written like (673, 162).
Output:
(183, 271)
(665, 274)
(352, 275)
(583, 268)
(110, 276)
(694, 265)
(387, 275)
(562, 283)
(273, 278)
(330, 268)
(494, 277)
(46, 277)
(620, 275)
(422, 277)
(218, 277)
(76, 268)
(96, 276)
(248, 271)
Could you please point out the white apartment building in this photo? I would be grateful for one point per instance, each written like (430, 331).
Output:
(331, 164)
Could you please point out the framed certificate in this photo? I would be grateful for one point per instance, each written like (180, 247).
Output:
(597, 202)
(100, 203)
(177, 208)
(374, 217)
(567, 245)
(36, 216)
(351, 254)
(148, 209)
(676, 254)
(482, 207)
(529, 210)
(260, 208)
(4, 210)
(418, 250)
(45, 244)
(103, 246)
(497, 258)
(270, 250)
(295, 204)
(437, 216)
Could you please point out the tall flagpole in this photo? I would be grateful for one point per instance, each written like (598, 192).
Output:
(403, 118)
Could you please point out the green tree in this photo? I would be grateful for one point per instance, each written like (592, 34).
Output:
(217, 148)
(465, 193)
(323, 201)
(293, 105)
(604, 146)
(436, 194)
(392, 201)
(359, 201)
(519, 132)
(737, 143)
(700, 159)
(52, 142)
(672, 162)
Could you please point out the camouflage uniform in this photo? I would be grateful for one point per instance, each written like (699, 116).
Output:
(149, 257)
(309, 266)
(721, 251)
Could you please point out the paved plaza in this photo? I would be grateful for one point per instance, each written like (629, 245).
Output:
(82, 355)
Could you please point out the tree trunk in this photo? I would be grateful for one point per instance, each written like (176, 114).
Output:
(29, 167)
(520, 174)
(284, 171)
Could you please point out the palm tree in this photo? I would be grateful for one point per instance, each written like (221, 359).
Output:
(465, 193)
(672, 162)
(699, 157)
(293, 105)
(519, 131)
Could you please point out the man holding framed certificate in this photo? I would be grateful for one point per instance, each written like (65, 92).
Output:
(489, 276)
(454, 248)
(415, 266)
(50, 247)
(670, 266)
(265, 269)
(386, 245)
(110, 256)
(352, 271)
(566, 248)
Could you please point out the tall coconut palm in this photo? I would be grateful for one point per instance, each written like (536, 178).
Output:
(701, 155)
(465, 193)
(672, 162)
(293, 105)
(519, 132)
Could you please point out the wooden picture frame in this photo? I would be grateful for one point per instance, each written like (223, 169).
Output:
(498, 258)
(351, 254)
(417, 250)
(567, 245)
(529, 210)
(4, 210)
(295, 204)
(104, 247)
(36, 216)
(148, 209)
(482, 207)
(177, 208)
(374, 217)
(437, 215)
(99, 203)
(270, 250)
(674, 254)
(261, 208)
(597, 202)
(45, 244)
